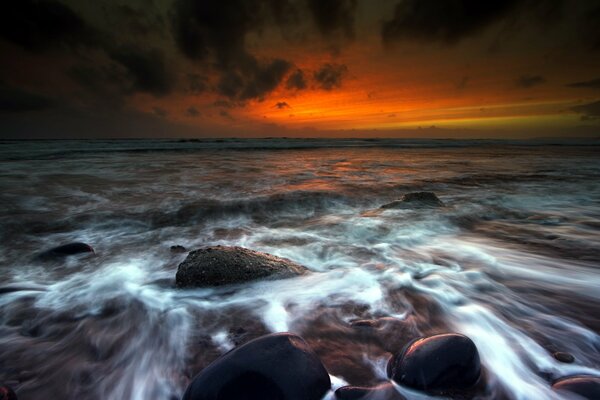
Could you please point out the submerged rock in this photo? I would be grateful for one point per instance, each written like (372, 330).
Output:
(585, 386)
(385, 391)
(178, 249)
(564, 357)
(416, 200)
(6, 393)
(66, 250)
(224, 265)
(441, 362)
(279, 366)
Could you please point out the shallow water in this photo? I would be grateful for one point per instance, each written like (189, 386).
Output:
(511, 261)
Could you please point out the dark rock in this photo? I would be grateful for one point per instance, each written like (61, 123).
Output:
(66, 250)
(279, 366)
(416, 200)
(178, 249)
(441, 362)
(6, 393)
(564, 357)
(223, 265)
(385, 391)
(585, 386)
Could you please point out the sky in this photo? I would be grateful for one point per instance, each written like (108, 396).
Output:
(299, 68)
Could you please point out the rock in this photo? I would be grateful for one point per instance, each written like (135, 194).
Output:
(6, 393)
(178, 249)
(441, 362)
(223, 265)
(385, 391)
(564, 357)
(279, 366)
(585, 386)
(416, 200)
(66, 250)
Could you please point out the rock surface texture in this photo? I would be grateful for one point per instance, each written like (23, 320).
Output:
(225, 265)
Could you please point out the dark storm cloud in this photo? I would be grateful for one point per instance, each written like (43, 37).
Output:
(590, 111)
(296, 80)
(450, 21)
(330, 76)
(39, 25)
(146, 69)
(281, 105)
(15, 100)
(528, 81)
(214, 31)
(591, 84)
(331, 16)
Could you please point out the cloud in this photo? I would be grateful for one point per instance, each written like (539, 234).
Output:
(160, 112)
(40, 25)
(591, 84)
(214, 32)
(332, 16)
(445, 22)
(296, 80)
(589, 111)
(192, 112)
(281, 105)
(197, 83)
(15, 100)
(528, 81)
(146, 69)
(330, 76)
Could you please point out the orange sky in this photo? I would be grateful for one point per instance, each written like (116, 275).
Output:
(510, 73)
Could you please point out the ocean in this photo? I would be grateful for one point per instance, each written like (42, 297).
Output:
(511, 261)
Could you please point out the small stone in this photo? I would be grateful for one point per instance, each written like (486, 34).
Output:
(564, 357)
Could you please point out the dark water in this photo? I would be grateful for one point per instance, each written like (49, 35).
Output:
(512, 261)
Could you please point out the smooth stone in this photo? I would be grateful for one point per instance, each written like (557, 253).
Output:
(6, 393)
(66, 250)
(416, 200)
(224, 265)
(278, 366)
(564, 357)
(585, 386)
(385, 391)
(441, 362)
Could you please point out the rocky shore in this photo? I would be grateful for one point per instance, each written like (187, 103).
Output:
(284, 366)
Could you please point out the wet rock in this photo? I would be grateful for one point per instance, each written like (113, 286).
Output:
(587, 387)
(564, 357)
(224, 265)
(416, 200)
(178, 249)
(6, 393)
(392, 334)
(441, 362)
(385, 391)
(66, 250)
(279, 366)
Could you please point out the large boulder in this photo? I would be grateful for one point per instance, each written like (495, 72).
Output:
(584, 386)
(441, 362)
(65, 251)
(279, 366)
(224, 265)
(385, 391)
(416, 200)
